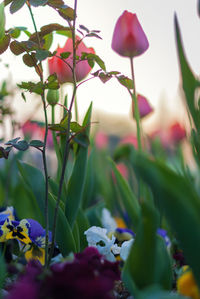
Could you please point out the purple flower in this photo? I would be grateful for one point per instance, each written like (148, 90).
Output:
(89, 276)
(27, 285)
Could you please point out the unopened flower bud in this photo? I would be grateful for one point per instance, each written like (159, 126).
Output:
(53, 96)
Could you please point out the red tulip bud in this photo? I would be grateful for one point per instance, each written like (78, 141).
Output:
(129, 39)
(143, 106)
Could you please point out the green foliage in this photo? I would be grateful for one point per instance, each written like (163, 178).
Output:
(92, 58)
(35, 181)
(4, 43)
(179, 203)
(3, 272)
(129, 199)
(16, 5)
(77, 179)
(2, 21)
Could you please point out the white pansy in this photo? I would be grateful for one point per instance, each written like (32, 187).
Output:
(97, 237)
(125, 249)
(108, 221)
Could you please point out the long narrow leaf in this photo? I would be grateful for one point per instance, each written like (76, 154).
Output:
(180, 203)
(77, 179)
(129, 200)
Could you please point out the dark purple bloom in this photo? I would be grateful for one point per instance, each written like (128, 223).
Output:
(27, 285)
(89, 276)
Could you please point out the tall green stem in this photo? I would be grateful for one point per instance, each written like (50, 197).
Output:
(55, 142)
(46, 182)
(136, 109)
(44, 146)
(66, 151)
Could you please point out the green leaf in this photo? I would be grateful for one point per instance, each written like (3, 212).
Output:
(125, 81)
(65, 33)
(2, 21)
(25, 202)
(48, 39)
(163, 265)
(37, 3)
(77, 179)
(189, 82)
(176, 198)
(64, 236)
(15, 32)
(93, 57)
(84, 28)
(35, 180)
(36, 143)
(4, 43)
(42, 54)
(30, 59)
(143, 252)
(16, 5)
(83, 225)
(65, 55)
(3, 272)
(129, 199)
(16, 47)
(12, 141)
(75, 127)
(155, 292)
(67, 13)
(21, 145)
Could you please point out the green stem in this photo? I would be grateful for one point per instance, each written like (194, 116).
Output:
(46, 182)
(66, 151)
(136, 109)
(76, 109)
(55, 142)
(34, 24)
(44, 147)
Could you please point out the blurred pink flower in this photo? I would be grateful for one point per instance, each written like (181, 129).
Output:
(143, 106)
(32, 130)
(29, 129)
(129, 39)
(63, 70)
(177, 132)
(172, 135)
(101, 140)
(129, 139)
(123, 170)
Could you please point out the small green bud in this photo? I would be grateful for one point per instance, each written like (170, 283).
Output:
(53, 96)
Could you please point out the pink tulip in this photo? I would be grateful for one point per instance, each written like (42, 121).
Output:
(121, 167)
(29, 129)
(129, 39)
(101, 140)
(129, 139)
(143, 106)
(63, 71)
(177, 133)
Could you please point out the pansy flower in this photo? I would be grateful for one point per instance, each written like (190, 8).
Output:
(7, 215)
(97, 237)
(29, 233)
(8, 212)
(36, 248)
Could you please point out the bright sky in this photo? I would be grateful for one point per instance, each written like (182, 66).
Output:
(156, 71)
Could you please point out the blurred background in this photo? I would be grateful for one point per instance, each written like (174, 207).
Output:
(156, 71)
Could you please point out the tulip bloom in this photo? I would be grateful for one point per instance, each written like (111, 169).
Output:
(129, 39)
(143, 106)
(63, 70)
